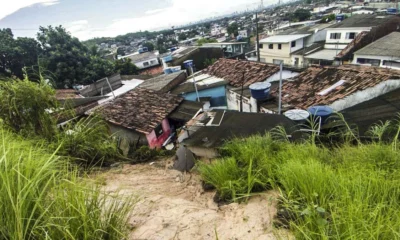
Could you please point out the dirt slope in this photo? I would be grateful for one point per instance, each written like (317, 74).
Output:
(173, 206)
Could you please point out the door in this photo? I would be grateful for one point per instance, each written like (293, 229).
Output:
(296, 61)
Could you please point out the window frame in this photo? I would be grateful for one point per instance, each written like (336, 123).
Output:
(337, 35)
(293, 44)
(271, 46)
(280, 46)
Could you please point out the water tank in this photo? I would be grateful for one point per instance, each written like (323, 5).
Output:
(324, 112)
(188, 63)
(340, 17)
(260, 90)
(391, 11)
(297, 115)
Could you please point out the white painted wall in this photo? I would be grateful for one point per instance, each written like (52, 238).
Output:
(343, 32)
(299, 45)
(250, 104)
(375, 57)
(151, 61)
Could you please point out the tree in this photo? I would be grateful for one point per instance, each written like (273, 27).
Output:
(149, 46)
(328, 18)
(233, 29)
(65, 56)
(121, 51)
(182, 37)
(15, 54)
(301, 14)
(202, 41)
(97, 68)
(125, 67)
(69, 60)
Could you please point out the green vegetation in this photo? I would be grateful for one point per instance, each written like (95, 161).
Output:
(299, 15)
(347, 191)
(328, 18)
(125, 67)
(233, 29)
(30, 109)
(56, 54)
(202, 41)
(42, 197)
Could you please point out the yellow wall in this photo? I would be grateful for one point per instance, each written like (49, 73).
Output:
(270, 54)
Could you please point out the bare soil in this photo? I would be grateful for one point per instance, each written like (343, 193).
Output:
(172, 205)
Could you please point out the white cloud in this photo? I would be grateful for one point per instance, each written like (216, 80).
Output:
(155, 11)
(14, 5)
(180, 12)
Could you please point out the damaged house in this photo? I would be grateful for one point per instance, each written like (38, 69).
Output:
(144, 116)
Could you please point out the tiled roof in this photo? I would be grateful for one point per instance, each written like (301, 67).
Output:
(140, 109)
(67, 94)
(232, 71)
(303, 91)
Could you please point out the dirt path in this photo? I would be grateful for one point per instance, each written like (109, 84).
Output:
(172, 206)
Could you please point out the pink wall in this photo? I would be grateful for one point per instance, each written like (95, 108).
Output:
(155, 142)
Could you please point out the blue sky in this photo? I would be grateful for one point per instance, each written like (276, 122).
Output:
(95, 18)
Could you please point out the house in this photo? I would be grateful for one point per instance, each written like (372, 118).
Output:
(230, 49)
(212, 129)
(351, 34)
(143, 60)
(141, 116)
(164, 83)
(384, 52)
(340, 87)
(241, 74)
(279, 48)
(208, 86)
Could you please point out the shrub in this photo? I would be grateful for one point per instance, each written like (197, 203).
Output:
(347, 191)
(87, 141)
(25, 105)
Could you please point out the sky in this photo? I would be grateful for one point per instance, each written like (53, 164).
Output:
(86, 19)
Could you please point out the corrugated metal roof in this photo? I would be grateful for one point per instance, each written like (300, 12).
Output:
(283, 38)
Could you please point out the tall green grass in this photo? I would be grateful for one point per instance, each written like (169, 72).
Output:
(42, 197)
(350, 191)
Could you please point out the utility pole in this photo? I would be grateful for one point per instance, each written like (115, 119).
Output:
(280, 88)
(257, 39)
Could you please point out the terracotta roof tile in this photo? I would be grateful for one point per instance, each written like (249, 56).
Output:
(140, 109)
(232, 71)
(303, 91)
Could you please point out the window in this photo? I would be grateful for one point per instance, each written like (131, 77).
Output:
(271, 46)
(146, 64)
(159, 130)
(350, 35)
(335, 35)
(279, 46)
(372, 62)
(153, 62)
(260, 46)
(293, 44)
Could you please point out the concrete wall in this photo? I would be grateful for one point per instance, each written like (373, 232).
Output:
(342, 31)
(151, 62)
(217, 94)
(131, 136)
(284, 54)
(380, 58)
